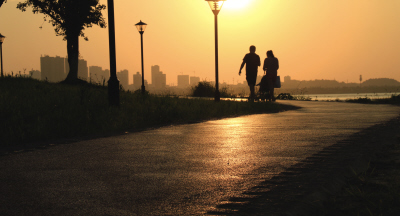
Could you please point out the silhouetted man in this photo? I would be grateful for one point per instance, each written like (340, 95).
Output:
(252, 61)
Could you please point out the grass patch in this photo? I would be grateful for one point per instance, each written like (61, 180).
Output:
(373, 192)
(34, 111)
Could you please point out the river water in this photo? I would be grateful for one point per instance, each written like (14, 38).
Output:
(327, 97)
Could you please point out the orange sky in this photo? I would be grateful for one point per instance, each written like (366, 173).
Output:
(313, 39)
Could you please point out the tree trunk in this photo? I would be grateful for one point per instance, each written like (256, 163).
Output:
(73, 55)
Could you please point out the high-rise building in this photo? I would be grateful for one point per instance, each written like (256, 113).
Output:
(183, 81)
(137, 81)
(98, 75)
(123, 77)
(52, 68)
(194, 80)
(158, 79)
(82, 69)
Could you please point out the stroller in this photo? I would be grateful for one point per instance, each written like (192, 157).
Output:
(263, 91)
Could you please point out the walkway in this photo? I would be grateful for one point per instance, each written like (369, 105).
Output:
(176, 170)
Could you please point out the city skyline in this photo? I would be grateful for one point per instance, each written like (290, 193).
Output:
(55, 69)
(337, 40)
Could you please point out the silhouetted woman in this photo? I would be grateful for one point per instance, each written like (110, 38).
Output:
(271, 66)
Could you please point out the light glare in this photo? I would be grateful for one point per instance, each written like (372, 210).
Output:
(236, 4)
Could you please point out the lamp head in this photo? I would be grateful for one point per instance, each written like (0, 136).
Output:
(215, 5)
(2, 37)
(141, 26)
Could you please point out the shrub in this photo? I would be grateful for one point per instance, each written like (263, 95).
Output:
(285, 96)
(206, 89)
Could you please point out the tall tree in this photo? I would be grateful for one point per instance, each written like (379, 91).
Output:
(70, 18)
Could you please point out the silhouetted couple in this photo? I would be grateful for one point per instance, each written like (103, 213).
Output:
(270, 67)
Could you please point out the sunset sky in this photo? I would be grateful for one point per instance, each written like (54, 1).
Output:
(313, 39)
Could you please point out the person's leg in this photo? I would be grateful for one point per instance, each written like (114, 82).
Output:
(270, 90)
(252, 91)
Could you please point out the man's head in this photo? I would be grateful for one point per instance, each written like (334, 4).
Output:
(252, 49)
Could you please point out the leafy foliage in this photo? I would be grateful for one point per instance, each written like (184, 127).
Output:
(68, 16)
(2, 1)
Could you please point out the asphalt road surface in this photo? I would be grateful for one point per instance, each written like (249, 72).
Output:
(176, 170)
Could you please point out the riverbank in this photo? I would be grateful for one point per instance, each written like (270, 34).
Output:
(34, 112)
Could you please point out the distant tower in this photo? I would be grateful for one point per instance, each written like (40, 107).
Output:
(360, 79)
(194, 80)
(83, 70)
(137, 80)
(183, 81)
(287, 79)
(52, 68)
(96, 74)
(123, 77)
(158, 79)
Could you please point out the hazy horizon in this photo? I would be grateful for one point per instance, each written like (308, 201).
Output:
(331, 40)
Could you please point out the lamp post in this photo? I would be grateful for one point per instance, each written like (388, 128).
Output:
(2, 37)
(113, 82)
(141, 26)
(216, 6)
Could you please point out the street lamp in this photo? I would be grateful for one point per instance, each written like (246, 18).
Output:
(141, 26)
(113, 82)
(216, 6)
(2, 37)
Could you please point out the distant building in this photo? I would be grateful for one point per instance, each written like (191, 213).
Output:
(287, 79)
(158, 79)
(137, 81)
(194, 81)
(98, 75)
(123, 77)
(83, 72)
(183, 81)
(35, 74)
(52, 68)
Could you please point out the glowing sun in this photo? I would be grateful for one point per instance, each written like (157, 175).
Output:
(236, 4)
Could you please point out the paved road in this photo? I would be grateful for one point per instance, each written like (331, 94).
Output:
(176, 170)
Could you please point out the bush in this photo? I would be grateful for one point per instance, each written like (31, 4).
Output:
(206, 89)
(285, 96)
